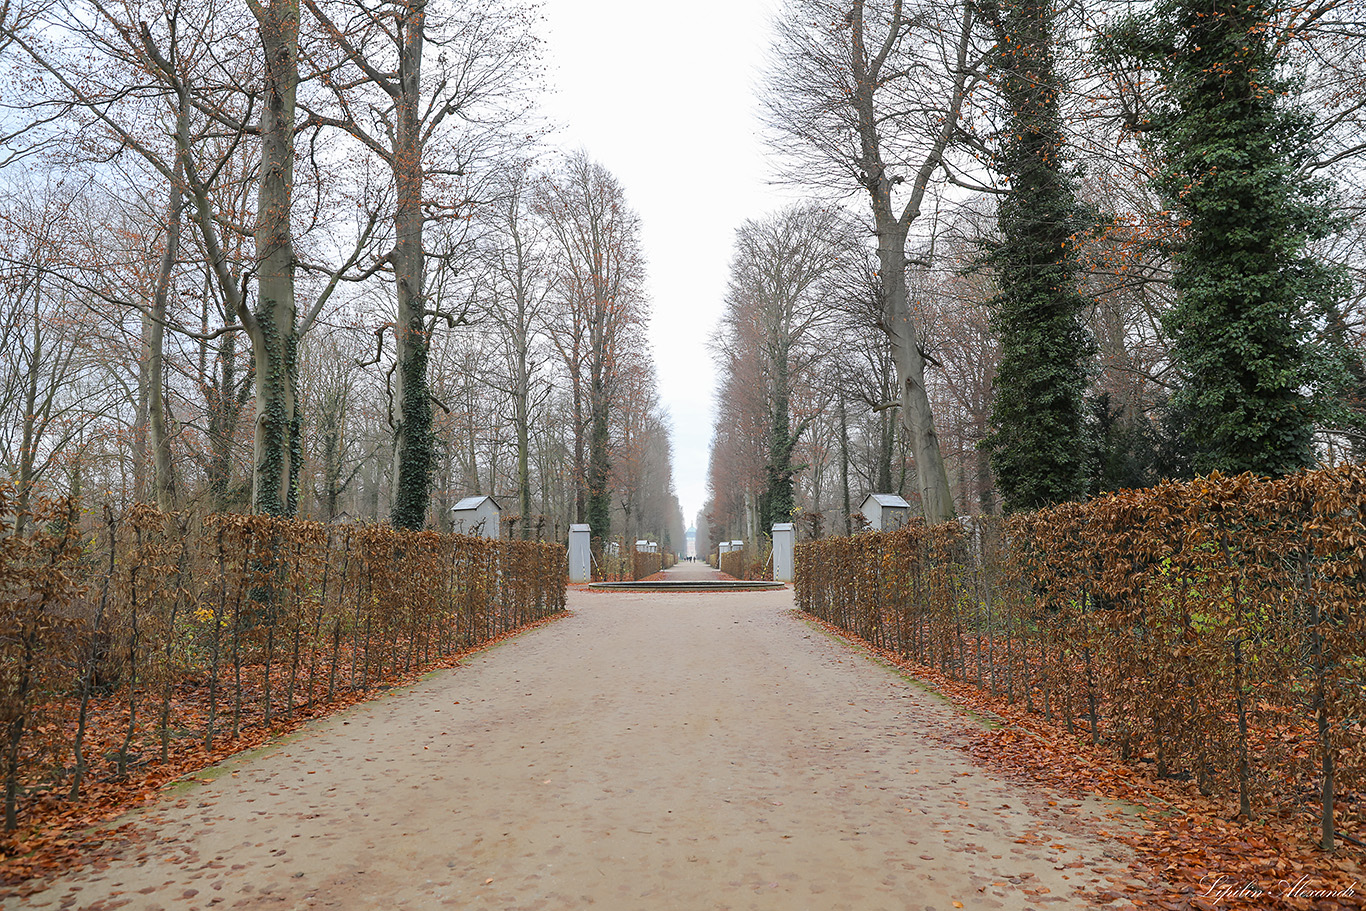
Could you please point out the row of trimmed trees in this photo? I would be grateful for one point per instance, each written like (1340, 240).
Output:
(1101, 251)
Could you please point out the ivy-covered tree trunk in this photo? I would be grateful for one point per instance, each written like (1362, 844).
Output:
(580, 456)
(599, 459)
(845, 505)
(414, 446)
(1238, 325)
(1244, 279)
(1038, 406)
(272, 323)
(778, 502)
(414, 449)
(521, 407)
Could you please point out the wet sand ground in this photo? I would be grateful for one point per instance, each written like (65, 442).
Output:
(678, 751)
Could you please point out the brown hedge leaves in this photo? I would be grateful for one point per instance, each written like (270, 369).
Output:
(1214, 629)
(156, 636)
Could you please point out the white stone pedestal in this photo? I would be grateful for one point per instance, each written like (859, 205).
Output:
(580, 554)
(784, 547)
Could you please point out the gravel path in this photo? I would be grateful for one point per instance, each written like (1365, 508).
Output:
(681, 751)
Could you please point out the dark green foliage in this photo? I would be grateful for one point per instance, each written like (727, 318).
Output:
(416, 443)
(1133, 450)
(777, 503)
(279, 418)
(1247, 288)
(296, 437)
(1125, 448)
(1038, 410)
(599, 470)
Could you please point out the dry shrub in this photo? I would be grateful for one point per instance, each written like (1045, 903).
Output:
(647, 564)
(38, 633)
(733, 564)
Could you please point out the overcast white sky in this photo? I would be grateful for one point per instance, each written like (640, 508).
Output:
(664, 95)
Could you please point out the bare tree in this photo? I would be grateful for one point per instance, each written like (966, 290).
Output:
(777, 298)
(334, 435)
(519, 283)
(406, 73)
(48, 392)
(598, 293)
(168, 88)
(872, 92)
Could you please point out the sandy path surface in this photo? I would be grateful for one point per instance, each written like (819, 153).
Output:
(684, 751)
(691, 572)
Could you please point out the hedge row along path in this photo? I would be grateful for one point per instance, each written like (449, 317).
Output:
(681, 751)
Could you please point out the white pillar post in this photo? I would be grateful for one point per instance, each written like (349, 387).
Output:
(784, 547)
(580, 554)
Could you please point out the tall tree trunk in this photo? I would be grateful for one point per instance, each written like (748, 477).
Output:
(986, 496)
(272, 326)
(330, 418)
(1038, 450)
(140, 454)
(932, 476)
(778, 501)
(225, 409)
(414, 446)
(844, 466)
(599, 465)
(520, 331)
(580, 451)
(162, 478)
(521, 408)
(29, 435)
(886, 435)
(891, 227)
